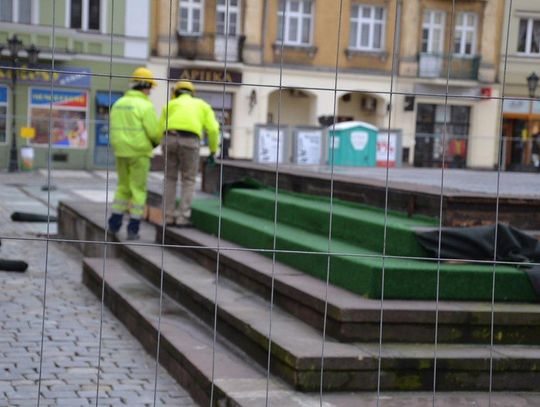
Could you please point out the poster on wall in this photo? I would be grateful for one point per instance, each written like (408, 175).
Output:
(308, 147)
(267, 145)
(3, 113)
(64, 112)
(387, 149)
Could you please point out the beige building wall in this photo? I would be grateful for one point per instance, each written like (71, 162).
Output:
(312, 70)
(518, 65)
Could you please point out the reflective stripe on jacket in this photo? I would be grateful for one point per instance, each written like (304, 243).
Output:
(134, 125)
(188, 113)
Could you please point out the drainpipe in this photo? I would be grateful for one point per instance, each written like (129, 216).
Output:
(264, 29)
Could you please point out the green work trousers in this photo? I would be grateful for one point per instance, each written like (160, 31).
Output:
(130, 196)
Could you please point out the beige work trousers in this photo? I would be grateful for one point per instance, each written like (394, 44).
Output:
(182, 156)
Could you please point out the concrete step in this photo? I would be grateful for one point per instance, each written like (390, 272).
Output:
(360, 270)
(350, 317)
(187, 348)
(346, 366)
(296, 347)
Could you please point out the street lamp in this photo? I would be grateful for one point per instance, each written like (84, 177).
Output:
(15, 46)
(532, 84)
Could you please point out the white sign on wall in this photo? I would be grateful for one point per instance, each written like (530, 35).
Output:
(359, 140)
(308, 146)
(386, 149)
(267, 151)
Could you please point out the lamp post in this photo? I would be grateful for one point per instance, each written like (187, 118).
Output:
(532, 84)
(15, 46)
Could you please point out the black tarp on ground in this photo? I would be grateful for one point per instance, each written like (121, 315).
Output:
(478, 243)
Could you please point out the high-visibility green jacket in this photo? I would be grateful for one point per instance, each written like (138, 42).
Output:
(133, 122)
(188, 113)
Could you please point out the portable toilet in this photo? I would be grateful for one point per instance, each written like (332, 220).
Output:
(353, 144)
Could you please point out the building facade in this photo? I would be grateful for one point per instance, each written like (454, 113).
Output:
(67, 101)
(521, 114)
(310, 63)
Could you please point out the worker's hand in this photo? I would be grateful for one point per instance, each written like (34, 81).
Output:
(211, 161)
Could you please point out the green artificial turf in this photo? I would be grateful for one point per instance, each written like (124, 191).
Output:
(358, 224)
(360, 270)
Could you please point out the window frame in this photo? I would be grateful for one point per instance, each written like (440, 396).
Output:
(464, 29)
(528, 36)
(372, 22)
(431, 26)
(191, 5)
(299, 15)
(15, 17)
(85, 17)
(222, 9)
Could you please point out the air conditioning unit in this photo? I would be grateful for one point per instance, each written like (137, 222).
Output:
(368, 104)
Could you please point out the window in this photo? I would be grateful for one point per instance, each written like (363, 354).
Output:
(230, 10)
(529, 36)
(85, 14)
(433, 31)
(465, 34)
(367, 28)
(191, 17)
(16, 11)
(295, 22)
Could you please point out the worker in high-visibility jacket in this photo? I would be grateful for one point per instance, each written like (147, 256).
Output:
(133, 136)
(184, 120)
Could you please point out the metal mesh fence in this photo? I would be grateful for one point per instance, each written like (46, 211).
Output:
(472, 116)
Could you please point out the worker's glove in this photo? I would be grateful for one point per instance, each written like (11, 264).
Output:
(211, 161)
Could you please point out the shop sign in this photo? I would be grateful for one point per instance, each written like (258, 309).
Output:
(442, 90)
(520, 106)
(59, 117)
(28, 132)
(67, 76)
(216, 76)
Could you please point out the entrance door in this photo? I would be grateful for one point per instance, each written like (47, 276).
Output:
(514, 147)
(222, 104)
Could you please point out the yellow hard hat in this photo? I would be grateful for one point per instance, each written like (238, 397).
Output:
(184, 85)
(144, 75)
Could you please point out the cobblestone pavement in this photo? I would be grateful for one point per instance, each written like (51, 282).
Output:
(72, 326)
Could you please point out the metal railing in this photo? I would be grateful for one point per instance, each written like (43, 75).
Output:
(211, 46)
(436, 66)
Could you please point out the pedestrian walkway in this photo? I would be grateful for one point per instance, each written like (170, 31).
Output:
(68, 371)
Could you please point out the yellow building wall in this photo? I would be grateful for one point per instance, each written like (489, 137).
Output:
(325, 41)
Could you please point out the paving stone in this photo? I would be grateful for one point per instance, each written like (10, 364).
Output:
(72, 326)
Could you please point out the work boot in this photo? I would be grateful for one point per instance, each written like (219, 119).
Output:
(182, 222)
(115, 223)
(169, 221)
(133, 229)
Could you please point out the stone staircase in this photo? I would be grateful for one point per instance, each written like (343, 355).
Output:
(230, 366)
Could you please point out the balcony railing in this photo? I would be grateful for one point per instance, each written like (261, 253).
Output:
(211, 47)
(436, 66)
